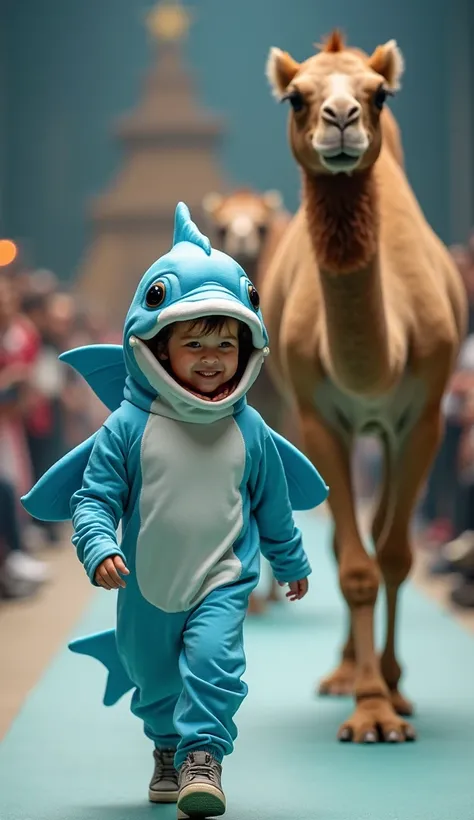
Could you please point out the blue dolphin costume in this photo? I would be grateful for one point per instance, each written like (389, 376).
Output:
(199, 487)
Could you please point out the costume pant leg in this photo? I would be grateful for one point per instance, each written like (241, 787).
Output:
(211, 663)
(150, 646)
(157, 716)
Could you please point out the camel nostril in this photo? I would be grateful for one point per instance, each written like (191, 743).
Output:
(341, 118)
(329, 112)
(353, 112)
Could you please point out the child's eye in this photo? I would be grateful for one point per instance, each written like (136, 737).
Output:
(226, 344)
(194, 345)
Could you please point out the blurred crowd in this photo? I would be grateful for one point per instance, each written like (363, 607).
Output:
(447, 511)
(45, 409)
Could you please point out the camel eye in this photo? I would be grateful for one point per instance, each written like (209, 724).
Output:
(156, 295)
(296, 100)
(380, 97)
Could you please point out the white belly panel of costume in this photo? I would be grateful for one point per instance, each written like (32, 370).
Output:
(190, 510)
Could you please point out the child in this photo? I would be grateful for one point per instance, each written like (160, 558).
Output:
(206, 356)
(197, 479)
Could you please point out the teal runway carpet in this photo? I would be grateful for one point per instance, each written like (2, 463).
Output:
(69, 758)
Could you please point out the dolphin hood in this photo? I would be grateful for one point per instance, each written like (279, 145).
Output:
(192, 281)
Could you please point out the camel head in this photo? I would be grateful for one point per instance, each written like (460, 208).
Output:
(241, 220)
(336, 98)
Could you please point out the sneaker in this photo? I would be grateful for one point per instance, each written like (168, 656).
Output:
(164, 786)
(455, 556)
(16, 588)
(21, 566)
(457, 549)
(200, 790)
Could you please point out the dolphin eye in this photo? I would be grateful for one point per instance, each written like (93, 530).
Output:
(156, 295)
(254, 297)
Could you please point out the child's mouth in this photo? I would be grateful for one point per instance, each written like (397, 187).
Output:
(208, 374)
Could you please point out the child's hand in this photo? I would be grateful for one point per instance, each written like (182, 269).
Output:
(298, 589)
(107, 573)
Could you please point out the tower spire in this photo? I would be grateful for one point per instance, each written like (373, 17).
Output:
(169, 155)
(168, 21)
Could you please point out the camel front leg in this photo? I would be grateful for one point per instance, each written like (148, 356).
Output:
(395, 553)
(401, 705)
(359, 581)
(257, 605)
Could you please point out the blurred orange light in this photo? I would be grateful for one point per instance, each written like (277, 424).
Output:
(8, 252)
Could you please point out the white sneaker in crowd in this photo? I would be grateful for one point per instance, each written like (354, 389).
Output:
(20, 566)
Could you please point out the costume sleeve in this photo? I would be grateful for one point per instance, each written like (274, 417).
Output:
(280, 538)
(97, 508)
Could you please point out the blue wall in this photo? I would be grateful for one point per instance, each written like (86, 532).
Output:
(74, 66)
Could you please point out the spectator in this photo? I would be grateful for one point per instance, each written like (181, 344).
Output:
(440, 505)
(15, 580)
(451, 490)
(19, 345)
(45, 414)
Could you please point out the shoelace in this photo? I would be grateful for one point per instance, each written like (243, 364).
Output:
(202, 770)
(165, 769)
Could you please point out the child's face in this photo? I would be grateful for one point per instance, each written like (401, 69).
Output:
(204, 362)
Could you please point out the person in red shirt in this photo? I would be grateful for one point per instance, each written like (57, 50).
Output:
(19, 347)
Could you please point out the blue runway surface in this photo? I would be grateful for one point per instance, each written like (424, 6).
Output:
(67, 757)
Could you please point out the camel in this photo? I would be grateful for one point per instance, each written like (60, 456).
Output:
(248, 225)
(365, 312)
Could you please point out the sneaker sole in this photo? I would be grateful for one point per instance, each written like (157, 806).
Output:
(163, 797)
(200, 801)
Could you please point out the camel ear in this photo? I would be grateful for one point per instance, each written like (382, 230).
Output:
(273, 200)
(211, 202)
(387, 60)
(280, 70)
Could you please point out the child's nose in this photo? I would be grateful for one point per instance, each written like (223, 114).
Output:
(209, 356)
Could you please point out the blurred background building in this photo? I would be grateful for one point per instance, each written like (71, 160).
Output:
(70, 72)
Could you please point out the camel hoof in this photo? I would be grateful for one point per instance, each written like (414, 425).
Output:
(401, 705)
(274, 597)
(370, 737)
(256, 605)
(374, 720)
(340, 683)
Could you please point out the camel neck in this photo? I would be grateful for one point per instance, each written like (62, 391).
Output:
(343, 221)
